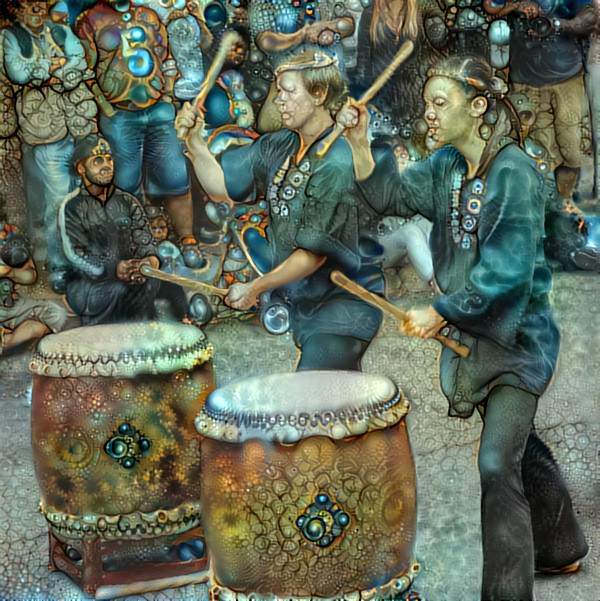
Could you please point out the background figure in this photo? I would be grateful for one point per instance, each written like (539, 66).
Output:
(23, 320)
(106, 237)
(546, 67)
(127, 46)
(46, 64)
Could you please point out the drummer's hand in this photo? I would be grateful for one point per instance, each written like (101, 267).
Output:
(241, 296)
(189, 125)
(424, 323)
(125, 269)
(354, 117)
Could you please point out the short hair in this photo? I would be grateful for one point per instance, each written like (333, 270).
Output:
(319, 71)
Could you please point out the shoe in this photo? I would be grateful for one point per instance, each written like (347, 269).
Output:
(586, 258)
(572, 567)
(568, 569)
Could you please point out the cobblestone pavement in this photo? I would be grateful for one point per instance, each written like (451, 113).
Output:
(447, 545)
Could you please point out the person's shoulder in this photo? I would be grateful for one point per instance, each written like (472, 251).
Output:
(512, 156)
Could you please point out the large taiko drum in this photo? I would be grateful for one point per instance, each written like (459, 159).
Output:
(308, 486)
(116, 452)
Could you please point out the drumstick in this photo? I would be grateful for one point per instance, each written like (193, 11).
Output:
(337, 277)
(227, 43)
(182, 281)
(403, 53)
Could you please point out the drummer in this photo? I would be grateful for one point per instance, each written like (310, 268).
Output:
(106, 238)
(314, 210)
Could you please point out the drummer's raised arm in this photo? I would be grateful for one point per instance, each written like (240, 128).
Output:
(354, 117)
(190, 128)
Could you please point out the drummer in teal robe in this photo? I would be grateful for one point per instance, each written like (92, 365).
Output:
(486, 199)
(315, 215)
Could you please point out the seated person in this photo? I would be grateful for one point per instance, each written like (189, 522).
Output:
(23, 320)
(106, 238)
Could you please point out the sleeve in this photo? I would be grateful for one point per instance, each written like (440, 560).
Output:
(246, 167)
(141, 233)
(329, 225)
(22, 70)
(85, 32)
(72, 72)
(404, 194)
(8, 114)
(497, 292)
(76, 244)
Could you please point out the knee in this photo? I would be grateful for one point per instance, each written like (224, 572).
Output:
(494, 464)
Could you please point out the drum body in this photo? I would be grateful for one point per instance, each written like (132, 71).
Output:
(308, 485)
(115, 450)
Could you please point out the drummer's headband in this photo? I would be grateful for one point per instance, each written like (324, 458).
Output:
(318, 61)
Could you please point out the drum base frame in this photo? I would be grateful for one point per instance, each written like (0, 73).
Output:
(89, 574)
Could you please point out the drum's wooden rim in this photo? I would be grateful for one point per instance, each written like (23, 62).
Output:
(121, 350)
(229, 417)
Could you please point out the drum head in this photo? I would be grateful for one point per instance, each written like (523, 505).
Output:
(121, 350)
(288, 407)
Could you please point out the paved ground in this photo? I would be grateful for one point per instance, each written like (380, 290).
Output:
(447, 546)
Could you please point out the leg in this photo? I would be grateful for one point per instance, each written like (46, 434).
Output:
(26, 331)
(568, 110)
(508, 554)
(166, 179)
(124, 131)
(557, 536)
(48, 179)
(330, 351)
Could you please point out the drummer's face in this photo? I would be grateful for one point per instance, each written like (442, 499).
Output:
(295, 103)
(99, 169)
(446, 112)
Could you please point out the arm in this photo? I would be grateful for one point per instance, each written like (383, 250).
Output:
(387, 191)
(496, 293)
(85, 32)
(190, 128)
(73, 234)
(20, 69)
(584, 23)
(501, 8)
(25, 275)
(299, 265)
(71, 64)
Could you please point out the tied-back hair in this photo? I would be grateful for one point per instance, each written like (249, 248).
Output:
(320, 73)
(408, 20)
(477, 78)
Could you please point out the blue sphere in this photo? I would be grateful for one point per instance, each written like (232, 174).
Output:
(140, 63)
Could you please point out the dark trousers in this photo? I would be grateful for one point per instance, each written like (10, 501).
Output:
(330, 351)
(527, 517)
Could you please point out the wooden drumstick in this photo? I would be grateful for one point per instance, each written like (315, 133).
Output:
(227, 43)
(337, 277)
(183, 281)
(403, 53)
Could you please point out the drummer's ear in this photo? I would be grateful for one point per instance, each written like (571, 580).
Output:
(319, 93)
(80, 168)
(479, 105)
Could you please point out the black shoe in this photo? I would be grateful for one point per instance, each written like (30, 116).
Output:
(586, 258)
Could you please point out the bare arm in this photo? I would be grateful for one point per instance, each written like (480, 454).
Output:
(299, 265)
(529, 9)
(584, 23)
(190, 127)
(25, 275)
(354, 117)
